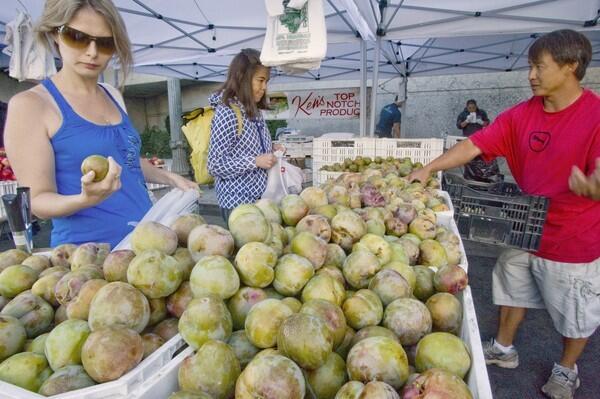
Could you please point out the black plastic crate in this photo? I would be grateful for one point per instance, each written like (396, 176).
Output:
(497, 213)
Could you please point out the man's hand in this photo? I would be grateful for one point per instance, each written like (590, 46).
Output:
(421, 174)
(265, 161)
(479, 121)
(586, 186)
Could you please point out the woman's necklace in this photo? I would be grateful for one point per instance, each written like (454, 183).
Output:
(103, 114)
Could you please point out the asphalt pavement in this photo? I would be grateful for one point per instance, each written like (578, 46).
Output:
(538, 343)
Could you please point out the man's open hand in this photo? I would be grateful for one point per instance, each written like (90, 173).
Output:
(586, 186)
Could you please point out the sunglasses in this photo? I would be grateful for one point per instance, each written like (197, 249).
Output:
(79, 40)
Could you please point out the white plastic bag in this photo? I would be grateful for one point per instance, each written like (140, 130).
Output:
(297, 38)
(284, 178)
(29, 59)
(173, 204)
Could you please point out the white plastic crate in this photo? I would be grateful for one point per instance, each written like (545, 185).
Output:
(295, 138)
(418, 150)
(448, 202)
(118, 389)
(331, 151)
(446, 220)
(6, 187)
(297, 149)
(477, 378)
(452, 140)
(165, 382)
(321, 176)
(307, 176)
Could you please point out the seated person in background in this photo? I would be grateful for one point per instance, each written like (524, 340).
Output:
(389, 120)
(470, 121)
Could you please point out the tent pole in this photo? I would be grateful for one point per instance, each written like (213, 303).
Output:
(374, 85)
(363, 88)
(180, 165)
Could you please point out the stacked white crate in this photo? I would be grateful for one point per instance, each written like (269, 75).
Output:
(296, 146)
(165, 382)
(418, 150)
(121, 388)
(450, 141)
(331, 151)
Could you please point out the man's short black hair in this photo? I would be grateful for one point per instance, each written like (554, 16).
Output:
(471, 101)
(566, 47)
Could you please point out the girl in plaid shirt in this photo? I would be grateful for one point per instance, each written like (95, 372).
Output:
(239, 160)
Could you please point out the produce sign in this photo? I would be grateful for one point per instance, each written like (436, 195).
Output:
(315, 104)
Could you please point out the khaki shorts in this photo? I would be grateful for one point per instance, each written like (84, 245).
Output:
(569, 291)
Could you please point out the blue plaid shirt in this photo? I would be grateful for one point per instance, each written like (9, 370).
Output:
(231, 157)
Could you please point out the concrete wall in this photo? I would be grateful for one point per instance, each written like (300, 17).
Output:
(157, 107)
(138, 112)
(434, 102)
(431, 108)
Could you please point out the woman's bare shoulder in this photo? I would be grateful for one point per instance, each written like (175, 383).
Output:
(35, 98)
(35, 104)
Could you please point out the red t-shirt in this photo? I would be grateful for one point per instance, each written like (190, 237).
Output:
(541, 148)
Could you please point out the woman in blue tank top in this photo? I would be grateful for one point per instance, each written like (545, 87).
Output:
(54, 126)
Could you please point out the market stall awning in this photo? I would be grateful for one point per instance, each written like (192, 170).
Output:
(195, 39)
(465, 36)
(168, 32)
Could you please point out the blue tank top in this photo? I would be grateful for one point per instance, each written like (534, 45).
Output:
(111, 220)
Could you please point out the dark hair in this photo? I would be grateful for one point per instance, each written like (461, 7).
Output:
(471, 101)
(565, 46)
(239, 82)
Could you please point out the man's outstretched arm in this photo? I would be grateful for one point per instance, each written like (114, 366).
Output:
(458, 155)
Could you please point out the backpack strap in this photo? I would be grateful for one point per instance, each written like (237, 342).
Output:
(240, 120)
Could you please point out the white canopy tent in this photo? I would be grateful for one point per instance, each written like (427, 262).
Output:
(195, 39)
(176, 32)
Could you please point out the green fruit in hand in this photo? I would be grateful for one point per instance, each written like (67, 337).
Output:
(96, 163)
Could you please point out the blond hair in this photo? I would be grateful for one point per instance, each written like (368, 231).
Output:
(59, 12)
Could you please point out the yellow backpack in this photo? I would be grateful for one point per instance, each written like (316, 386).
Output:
(197, 132)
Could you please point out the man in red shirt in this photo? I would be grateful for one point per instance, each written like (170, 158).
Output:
(552, 145)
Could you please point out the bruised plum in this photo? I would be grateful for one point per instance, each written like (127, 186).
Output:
(109, 353)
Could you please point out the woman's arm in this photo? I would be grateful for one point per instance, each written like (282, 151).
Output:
(152, 174)
(32, 159)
